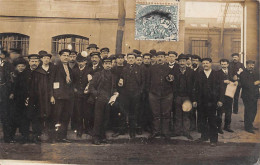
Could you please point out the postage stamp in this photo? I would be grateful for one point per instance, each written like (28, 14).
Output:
(157, 22)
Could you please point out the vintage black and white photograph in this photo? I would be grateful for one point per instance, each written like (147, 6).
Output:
(130, 82)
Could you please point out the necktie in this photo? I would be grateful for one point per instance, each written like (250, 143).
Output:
(67, 73)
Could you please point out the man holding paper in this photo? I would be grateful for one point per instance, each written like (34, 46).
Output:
(250, 92)
(103, 88)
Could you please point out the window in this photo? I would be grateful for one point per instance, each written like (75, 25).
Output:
(78, 43)
(15, 40)
(236, 46)
(199, 47)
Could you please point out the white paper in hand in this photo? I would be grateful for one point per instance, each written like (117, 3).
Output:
(231, 89)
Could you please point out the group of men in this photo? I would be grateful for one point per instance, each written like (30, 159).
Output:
(165, 94)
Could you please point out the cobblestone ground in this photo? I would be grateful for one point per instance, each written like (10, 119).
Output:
(238, 148)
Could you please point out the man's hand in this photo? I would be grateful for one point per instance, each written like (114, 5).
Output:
(257, 82)
(121, 82)
(27, 101)
(11, 96)
(194, 104)
(52, 100)
(219, 104)
(89, 77)
(235, 78)
(170, 78)
(226, 81)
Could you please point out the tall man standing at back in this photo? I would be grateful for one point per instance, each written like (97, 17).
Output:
(62, 95)
(236, 68)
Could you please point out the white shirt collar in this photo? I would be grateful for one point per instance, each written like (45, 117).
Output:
(207, 73)
(45, 67)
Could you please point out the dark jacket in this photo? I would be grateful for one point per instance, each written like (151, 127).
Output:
(234, 67)
(65, 91)
(138, 77)
(157, 82)
(40, 90)
(189, 84)
(223, 77)
(80, 78)
(208, 90)
(249, 90)
(103, 85)
(5, 80)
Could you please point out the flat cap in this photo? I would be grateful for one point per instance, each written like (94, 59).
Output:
(92, 46)
(80, 58)
(147, 54)
(234, 54)
(182, 56)
(137, 51)
(160, 53)
(206, 59)
(195, 56)
(107, 59)
(19, 60)
(33, 56)
(104, 49)
(173, 52)
(120, 55)
(15, 50)
(95, 54)
(63, 51)
(250, 62)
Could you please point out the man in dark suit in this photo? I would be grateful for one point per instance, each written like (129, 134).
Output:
(62, 95)
(160, 96)
(236, 68)
(132, 83)
(183, 92)
(250, 93)
(172, 60)
(80, 77)
(95, 66)
(103, 87)
(226, 77)
(209, 95)
(196, 118)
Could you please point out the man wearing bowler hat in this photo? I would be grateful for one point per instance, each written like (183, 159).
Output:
(250, 93)
(209, 94)
(62, 95)
(236, 68)
(183, 92)
(160, 86)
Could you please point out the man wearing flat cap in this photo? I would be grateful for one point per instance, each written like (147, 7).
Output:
(153, 56)
(250, 93)
(73, 55)
(15, 53)
(92, 48)
(160, 86)
(62, 96)
(80, 74)
(40, 91)
(103, 87)
(236, 68)
(132, 84)
(104, 52)
(209, 94)
(183, 92)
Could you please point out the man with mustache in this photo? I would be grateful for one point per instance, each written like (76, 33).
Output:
(209, 96)
(61, 96)
(250, 93)
(236, 68)
(104, 52)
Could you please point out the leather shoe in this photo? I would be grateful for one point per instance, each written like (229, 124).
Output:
(250, 131)
(228, 129)
(220, 131)
(116, 134)
(254, 128)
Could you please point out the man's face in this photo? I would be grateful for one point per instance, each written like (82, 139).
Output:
(20, 67)
(160, 59)
(33, 63)
(92, 50)
(14, 55)
(95, 59)
(189, 61)
(65, 57)
(224, 65)
(166, 58)
(195, 62)
(172, 58)
(153, 60)
(147, 60)
(73, 58)
(250, 66)
(235, 58)
(114, 63)
(82, 63)
(2, 56)
(182, 63)
(120, 61)
(104, 54)
(107, 65)
(46, 60)
(206, 65)
(130, 59)
(139, 61)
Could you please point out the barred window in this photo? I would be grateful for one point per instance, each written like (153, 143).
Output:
(78, 43)
(15, 40)
(236, 46)
(199, 47)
